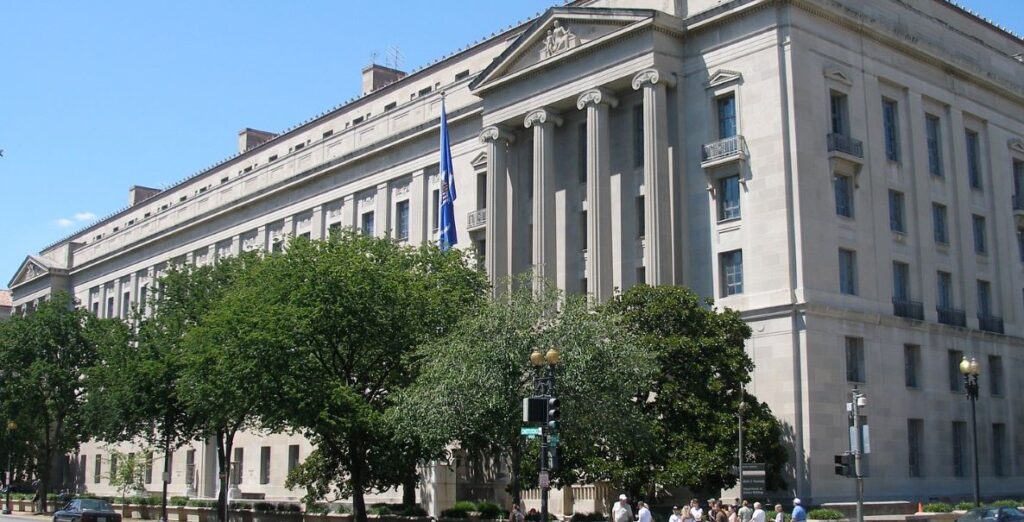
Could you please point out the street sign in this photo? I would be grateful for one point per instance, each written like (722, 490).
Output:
(753, 466)
(865, 439)
(753, 479)
(544, 481)
(529, 432)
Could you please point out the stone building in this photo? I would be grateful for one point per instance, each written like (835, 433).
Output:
(847, 173)
(5, 304)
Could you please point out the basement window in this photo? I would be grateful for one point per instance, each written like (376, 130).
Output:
(461, 75)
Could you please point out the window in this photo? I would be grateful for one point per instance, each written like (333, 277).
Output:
(110, 307)
(840, 122)
(641, 217)
(995, 375)
(293, 457)
(435, 205)
(1020, 244)
(96, 308)
(366, 223)
(897, 213)
(940, 228)
(855, 359)
(944, 284)
(978, 224)
(984, 299)
(113, 466)
(425, 91)
(911, 365)
(390, 106)
(584, 229)
(149, 469)
(731, 266)
(265, 465)
(402, 216)
(890, 119)
(276, 244)
(999, 449)
(726, 116)
(126, 304)
(847, 272)
(305, 235)
(272, 158)
(953, 358)
(900, 281)
(581, 152)
(973, 159)
(638, 135)
(729, 198)
(931, 127)
(915, 435)
(959, 445)
(190, 467)
(237, 463)
(843, 187)
(97, 469)
(462, 74)
(143, 292)
(327, 134)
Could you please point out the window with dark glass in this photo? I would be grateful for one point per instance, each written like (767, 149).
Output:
(931, 126)
(265, 465)
(1018, 180)
(973, 159)
(953, 358)
(944, 286)
(638, 135)
(293, 457)
(237, 465)
(843, 187)
(890, 119)
(581, 152)
(97, 469)
(995, 375)
(855, 359)
(900, 281)
(732, 272)
(726, 116)
(959, 447)
(366, 223)
(847, 272)
(984, 298)
(641, 216)
(915, 453)
(940, 228)
(911, 365)
(978, 225)
(897, 212)
(435, 205)
(729, 198)
(999, 466)
(402, 217)
(840, 121)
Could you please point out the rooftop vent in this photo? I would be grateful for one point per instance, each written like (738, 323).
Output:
(377, 76)
(138, 194)
(249, 138)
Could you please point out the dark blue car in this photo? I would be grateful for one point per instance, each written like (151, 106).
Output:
(87, 510)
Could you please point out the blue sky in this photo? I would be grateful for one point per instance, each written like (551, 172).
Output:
(98, 96)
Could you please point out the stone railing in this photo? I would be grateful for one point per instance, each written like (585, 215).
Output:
(476, 219)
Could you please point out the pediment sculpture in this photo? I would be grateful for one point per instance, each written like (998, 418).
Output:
(558, 40)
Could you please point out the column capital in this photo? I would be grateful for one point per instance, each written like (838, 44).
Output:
(495, 133)
(541, 115)
(596, 96)
(652, 76)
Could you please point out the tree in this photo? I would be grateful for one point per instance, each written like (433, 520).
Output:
(696, 394)
(473, 382)
(42, 356)
(130, 474)
(335, 323)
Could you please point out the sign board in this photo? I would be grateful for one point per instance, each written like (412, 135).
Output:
(166, 476)
(545, 480)
(865, 441)
(753, 466)
(753, 479)
(529, 432)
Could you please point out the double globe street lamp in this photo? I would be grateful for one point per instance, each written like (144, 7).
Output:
(544, 389)
(11, 426)
(970, 370)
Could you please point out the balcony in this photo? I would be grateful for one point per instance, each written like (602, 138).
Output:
(908, 309)
(476, 219)
(723, 151)
(990, 323)
(843, 144)
(952, 316)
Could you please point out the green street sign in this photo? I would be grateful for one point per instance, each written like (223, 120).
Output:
(530, 432)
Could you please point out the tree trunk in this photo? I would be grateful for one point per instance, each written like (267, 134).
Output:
(516, 469)
(409, 486)
(224, 443)
(44, 483)
(357, 479)
(165, 476)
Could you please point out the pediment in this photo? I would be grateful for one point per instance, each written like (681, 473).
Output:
(1016, 144)
(723, 77)
(837, 74)
(479, 162)
(559, 33)
(31, 268)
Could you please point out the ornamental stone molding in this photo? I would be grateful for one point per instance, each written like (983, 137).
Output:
(596, 96)
(1016, 144)
(558, 40)
(542, 115)
(495, 133)
(652, 77)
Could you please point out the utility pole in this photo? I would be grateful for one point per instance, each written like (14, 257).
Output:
(858, 401)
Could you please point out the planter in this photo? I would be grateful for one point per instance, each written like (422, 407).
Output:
(829, 520)
(333, 517)
(240, 516)
(273, 516)
(200, 514)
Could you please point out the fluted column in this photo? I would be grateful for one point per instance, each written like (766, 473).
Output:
(543, 122)
(496, 235)
(657, 188)
(599, 224)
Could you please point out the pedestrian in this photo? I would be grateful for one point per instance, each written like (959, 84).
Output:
(779, 517)
(621, 511)
(516, 515)
(799, 513)
(759, 515)
(696, 511)
(676, 517)
(686, 514)
(643, 513)
(720, 514)
(745, 512)
(733, 517)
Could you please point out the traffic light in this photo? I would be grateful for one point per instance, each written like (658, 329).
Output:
(535, 410)
(844, 465)
(554, 412)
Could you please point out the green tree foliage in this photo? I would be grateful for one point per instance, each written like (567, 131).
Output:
(43, 356)
(473, 382)
(696, 394)
(130, 475)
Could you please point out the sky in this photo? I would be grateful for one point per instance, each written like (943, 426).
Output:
(98, 96)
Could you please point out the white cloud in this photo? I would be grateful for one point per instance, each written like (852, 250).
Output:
(63, 222)
(85, 216)
(79, 217)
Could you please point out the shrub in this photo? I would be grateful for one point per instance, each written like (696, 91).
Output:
(241, 505)
(588, 517)
(454, 513)
(488, 510)
(1006, 503)
(465, 505)
(964, 506)
(194, 502)
(178, 501)
(938, 507)
(535, 517)
(824, 514)
(264, 507)
(414, 511)
(289, 507)
(342, 509)
(317, 508)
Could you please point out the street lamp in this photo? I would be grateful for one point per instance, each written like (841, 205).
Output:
(544, 387)
(970, 370)
(11, 426)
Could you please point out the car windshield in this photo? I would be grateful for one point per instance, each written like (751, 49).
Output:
(1012, 512)
(95, 504)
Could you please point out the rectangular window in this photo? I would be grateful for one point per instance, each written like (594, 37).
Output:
(126, 304)
(293, 457)
(265, 465)
(96, 308)
(890, 119)
(237, 463)
(190, 467)
(110, 307)
(911, 365)
(731, 266)
(984, 299)
(462, 74)
(1018, 180)
(973, 159)
(638, 136)
(143, 293)
(435, 205)
(978, 224)
(729, 198)
(999, 449)
(944, 286)
(402, 217)
(366, 223)
(959, 447)
(840, 123)
(847, 272)
(855, 359)
(1020, 244)
(113, 466)
(931, 126)
(915, 436)
(641, 217)
(897, 212)
(97, 469)
(995, 375)
(953, 358)
(843, 188)
(390, 106)
(726, 116)
(149, 469)
(900, 281)
(581, 152)
(940, 228)
(276, 244)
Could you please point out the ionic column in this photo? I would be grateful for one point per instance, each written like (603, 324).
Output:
(418, 220)
(496, 235)
(382, 211)
(657, 189)
(316, 223)
(599, 224)
(543, 123)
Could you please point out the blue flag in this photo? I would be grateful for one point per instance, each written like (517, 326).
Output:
(446, 217)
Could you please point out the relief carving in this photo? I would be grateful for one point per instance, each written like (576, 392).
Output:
(558, 40)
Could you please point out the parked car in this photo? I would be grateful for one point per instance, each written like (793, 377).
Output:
(992, 514)
(87, 510)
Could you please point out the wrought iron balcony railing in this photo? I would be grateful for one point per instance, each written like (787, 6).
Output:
(990, 323)
(722, 149)
(845, 144)
(908, 309)
(952, 316)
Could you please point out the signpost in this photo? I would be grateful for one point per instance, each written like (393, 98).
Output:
(753, 479)
(529, 431)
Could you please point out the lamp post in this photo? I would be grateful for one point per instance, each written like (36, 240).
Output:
(970, 370)
(544, 386)
(739, 416)
(11, 426)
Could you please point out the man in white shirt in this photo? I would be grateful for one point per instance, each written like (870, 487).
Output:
(621, 512)
(643, 514)
(675, 515)
(696, 511)
(758, 515)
